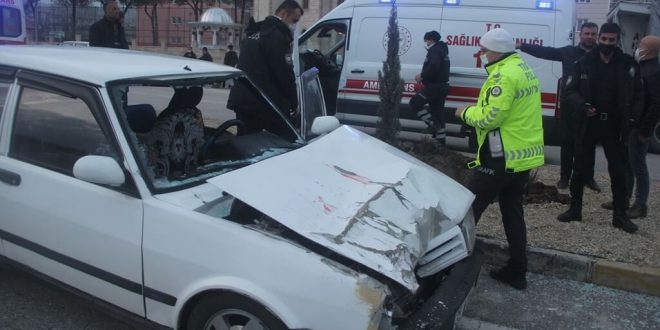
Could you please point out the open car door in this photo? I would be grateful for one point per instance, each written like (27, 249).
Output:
(311, 101)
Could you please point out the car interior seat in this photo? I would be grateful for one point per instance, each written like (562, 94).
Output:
(178, 134)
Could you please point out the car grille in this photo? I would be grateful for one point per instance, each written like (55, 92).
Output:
(444, 250)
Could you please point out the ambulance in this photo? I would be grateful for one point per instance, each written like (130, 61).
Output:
(348, 46)
(12, 22)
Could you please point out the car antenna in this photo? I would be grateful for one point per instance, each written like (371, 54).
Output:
(187, 68)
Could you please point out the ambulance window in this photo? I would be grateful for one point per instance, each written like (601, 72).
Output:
(329, 39)
(10, 22)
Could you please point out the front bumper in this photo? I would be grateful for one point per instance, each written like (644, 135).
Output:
(439, 310)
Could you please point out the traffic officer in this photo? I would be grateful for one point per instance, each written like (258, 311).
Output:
(604, 89)
(435, 80)
(508, 121)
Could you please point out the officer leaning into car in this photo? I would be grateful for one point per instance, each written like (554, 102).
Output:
(508, 121)
(266, 59)
(604, 89)
(435, 80)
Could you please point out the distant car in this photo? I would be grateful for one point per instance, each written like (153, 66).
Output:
(125, 178)
(74, 43)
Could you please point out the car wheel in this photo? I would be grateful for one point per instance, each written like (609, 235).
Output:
(230, 311)
(654, 144)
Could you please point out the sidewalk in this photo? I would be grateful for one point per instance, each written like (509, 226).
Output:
(618, 275)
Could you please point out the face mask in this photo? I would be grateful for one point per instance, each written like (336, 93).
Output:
(606, 49)
(292, 27)
(484, 59)
(427, 47)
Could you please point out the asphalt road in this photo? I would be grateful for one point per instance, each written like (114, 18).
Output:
(549, 303)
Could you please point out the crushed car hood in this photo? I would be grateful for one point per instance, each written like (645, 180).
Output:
(357, 196)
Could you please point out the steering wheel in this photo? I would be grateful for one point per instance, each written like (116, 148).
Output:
(319, 60)
(240, 128)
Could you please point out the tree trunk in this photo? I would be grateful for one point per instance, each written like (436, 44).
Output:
(153, 17)
(73, 18)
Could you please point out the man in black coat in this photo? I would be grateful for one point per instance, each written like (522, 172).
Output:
(568, 55)
(435, 80)
(108, 31)
(267, 60)
(603, 91)
(643, 125)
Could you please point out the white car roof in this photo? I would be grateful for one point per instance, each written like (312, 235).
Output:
(99, 65)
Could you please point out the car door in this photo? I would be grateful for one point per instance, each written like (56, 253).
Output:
(84, 235)
(6, 82)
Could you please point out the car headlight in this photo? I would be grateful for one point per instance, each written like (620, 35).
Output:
(469, 229)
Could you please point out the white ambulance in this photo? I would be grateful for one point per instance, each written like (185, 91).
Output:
(348, 46)
(12, 22)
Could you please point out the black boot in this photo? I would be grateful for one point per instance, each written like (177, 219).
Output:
(621, 221)
(574, 213)
(505, 275)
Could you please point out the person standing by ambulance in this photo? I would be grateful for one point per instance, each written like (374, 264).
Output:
(508, 121)
(435, 80)
(604, 89)
(108, 31)
(568, 55)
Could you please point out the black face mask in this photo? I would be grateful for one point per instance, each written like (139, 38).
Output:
(606, 49)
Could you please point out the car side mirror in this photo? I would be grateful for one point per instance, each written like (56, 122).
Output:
(324, 124)
(99, 169)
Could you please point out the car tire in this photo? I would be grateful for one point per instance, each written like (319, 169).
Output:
(231, 309)
(654, 144)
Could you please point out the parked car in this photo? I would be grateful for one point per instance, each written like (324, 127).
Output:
(124, 177)
(74, 43)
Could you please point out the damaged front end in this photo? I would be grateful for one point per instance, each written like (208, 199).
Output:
(364, 204)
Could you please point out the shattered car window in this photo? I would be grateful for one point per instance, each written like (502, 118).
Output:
(183, 131)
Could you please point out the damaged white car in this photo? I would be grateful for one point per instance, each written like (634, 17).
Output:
(125, 177)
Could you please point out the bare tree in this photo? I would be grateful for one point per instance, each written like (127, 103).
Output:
(151, 10)
(196, 5)
(74, 4)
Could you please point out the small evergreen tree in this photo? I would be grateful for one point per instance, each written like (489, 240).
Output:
(391, 85)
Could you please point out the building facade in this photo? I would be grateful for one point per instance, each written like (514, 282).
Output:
(314, 10)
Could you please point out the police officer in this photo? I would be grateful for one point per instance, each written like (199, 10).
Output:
(644, 124)
(508, 121)
(435, 80)
(266, 58)
(602, 91)
(568, 55)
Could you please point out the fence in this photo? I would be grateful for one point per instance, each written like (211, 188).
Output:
(170, 28)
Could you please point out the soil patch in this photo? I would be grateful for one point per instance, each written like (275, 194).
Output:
(454, 165)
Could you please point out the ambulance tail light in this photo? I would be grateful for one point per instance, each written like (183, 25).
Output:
(545, 4)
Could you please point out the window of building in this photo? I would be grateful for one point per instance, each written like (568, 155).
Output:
(177, 20)
(305, 4)
(580, 22)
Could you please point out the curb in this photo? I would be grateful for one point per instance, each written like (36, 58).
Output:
(617, 275)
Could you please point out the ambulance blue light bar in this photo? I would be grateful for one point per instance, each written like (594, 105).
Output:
(545, 4)
(385, 1)
(452, 2)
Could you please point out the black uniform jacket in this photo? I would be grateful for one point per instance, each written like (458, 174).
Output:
(103, 34)
(266, 58)
(579, 89)
(436, 66)
(568, 55)
(648, 117)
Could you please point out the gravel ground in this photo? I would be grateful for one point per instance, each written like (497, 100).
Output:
(594, 236)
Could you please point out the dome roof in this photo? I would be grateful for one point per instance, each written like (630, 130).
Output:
(217, 16)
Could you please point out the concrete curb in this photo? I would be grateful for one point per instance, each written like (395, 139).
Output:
(617, 275)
